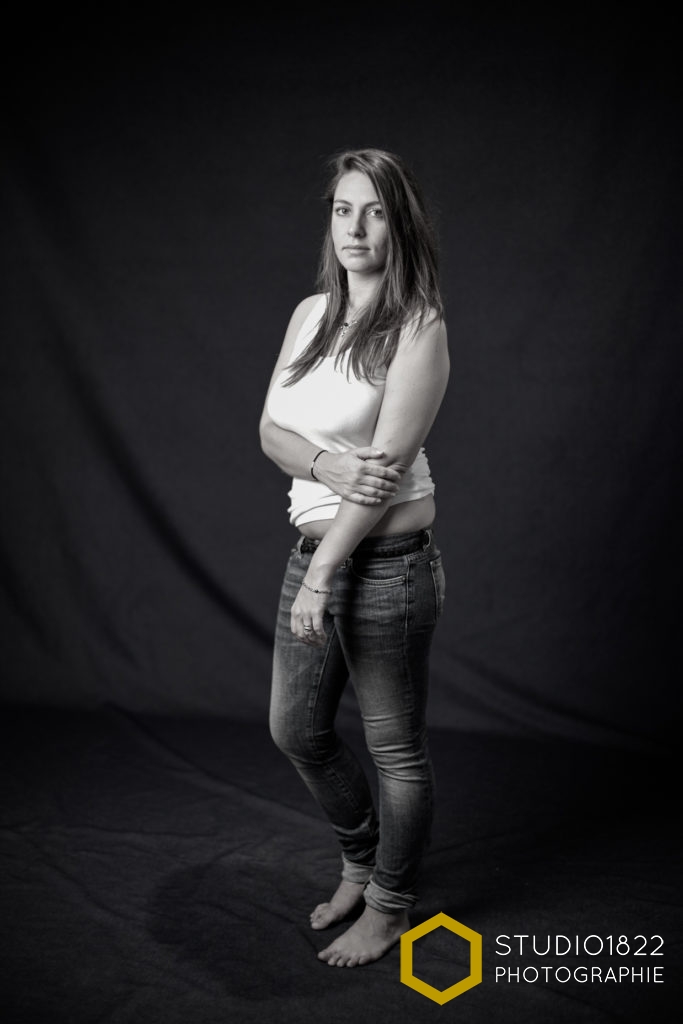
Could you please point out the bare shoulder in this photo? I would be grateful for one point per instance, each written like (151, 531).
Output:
(426, 332)
(302, 310)
(296, 321)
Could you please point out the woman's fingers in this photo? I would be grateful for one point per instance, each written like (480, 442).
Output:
(372, 467)
(315, 636)
(376, 487)
(370, 491)
(382, 479)
(318, 630)
(385, 473)
(374, 483)
(362, 499)
(358, 476)
(306, 617)
(312, 631)
(365, 499)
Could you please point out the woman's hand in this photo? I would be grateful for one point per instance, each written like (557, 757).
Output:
(357, 475)
(307, 615)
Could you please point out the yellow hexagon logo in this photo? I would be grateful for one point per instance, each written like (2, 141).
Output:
(441, 996)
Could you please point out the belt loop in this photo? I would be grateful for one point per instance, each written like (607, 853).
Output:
(299, 543)
(428, 538)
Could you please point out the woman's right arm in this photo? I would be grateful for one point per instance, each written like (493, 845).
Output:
(355, 475)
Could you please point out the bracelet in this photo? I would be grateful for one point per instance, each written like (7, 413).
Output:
(321, 452)
(313, 590)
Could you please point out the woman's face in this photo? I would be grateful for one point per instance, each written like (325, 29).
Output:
(359, 228)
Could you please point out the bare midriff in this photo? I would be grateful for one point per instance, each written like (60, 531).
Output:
(405, 517)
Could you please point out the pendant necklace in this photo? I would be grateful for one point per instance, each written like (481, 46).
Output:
(345, 326)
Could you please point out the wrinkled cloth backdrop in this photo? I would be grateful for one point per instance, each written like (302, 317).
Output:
(162, 215)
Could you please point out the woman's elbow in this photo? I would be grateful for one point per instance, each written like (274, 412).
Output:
(268, 435)
(267, 441)
(265, 432)
(399, 458)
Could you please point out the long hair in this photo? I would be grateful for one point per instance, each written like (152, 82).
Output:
(409, 289)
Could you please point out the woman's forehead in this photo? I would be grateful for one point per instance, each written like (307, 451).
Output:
(357, 187)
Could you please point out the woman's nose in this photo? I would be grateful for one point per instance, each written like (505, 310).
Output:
(355, 227)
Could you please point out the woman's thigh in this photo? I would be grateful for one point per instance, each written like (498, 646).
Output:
(385, 623)
(307, 680)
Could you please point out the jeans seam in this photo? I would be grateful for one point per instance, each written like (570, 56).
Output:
(313, 703)
(409, 597)
(438, 593)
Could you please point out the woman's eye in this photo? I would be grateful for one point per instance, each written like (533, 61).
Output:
(376, 211)
(341, 210)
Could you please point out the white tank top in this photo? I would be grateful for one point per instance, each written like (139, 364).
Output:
(338, 412)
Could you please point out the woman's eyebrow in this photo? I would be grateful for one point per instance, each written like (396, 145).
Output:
(346, 202)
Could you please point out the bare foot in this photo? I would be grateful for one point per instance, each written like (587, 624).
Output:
(368, 938)
(347, 896)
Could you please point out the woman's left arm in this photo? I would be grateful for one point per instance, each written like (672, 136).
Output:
(415, 385)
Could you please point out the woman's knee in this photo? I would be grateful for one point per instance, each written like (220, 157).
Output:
(405, 758)
(284, 735)
(299, 743)
(291, 737)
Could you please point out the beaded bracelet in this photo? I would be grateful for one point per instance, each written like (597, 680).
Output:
(313, 590)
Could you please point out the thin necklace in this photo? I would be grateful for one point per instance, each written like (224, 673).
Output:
(348, 323)
(345, 326)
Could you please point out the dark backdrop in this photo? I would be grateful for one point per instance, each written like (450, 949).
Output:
(161, 218)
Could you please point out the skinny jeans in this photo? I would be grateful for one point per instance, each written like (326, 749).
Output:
(385, 602)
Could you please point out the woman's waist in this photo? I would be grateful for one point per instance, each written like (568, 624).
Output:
(389, 545)
(403, 517)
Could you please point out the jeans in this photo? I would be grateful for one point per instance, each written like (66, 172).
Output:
(385, 602)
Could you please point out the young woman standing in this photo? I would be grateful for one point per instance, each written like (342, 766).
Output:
(355, 390)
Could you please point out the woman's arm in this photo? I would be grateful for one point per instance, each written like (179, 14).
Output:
(415, 386)
(361, 475)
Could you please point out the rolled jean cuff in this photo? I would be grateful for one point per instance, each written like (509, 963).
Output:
(387, 902)
(359, 873)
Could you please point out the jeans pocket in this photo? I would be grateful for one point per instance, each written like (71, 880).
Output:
(439, 579)
(379, 572)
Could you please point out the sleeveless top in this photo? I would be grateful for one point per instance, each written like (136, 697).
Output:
(338, 412)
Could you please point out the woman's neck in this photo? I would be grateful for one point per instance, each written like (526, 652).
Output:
(361, 291)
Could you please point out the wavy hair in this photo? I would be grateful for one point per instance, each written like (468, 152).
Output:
(409, 288)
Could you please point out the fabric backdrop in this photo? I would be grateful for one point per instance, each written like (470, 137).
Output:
(162, 216)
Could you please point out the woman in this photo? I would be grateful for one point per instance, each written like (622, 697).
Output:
(354, 392)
